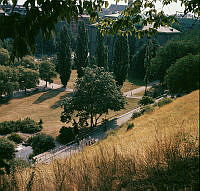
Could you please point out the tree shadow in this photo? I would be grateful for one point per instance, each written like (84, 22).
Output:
(58, 103)
(48, 95)
(135, 81)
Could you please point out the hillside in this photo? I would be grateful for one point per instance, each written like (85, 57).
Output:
(159, 153)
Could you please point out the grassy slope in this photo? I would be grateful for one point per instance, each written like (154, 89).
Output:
(158, 154)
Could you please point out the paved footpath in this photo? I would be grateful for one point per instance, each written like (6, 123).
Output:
(130, 94)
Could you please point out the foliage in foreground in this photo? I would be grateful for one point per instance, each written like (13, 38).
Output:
(7, 153)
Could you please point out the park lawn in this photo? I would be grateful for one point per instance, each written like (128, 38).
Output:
(37, 106)
(45, 106)
(131, 104)
(139, 93)
(71, 82)
(126, 87)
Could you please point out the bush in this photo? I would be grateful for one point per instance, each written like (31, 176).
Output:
(183, 76)
(146, 100)
(15, 138)
(30, 126)
(42, 143)
(136, 114)
(66, 135)
(7, 127)
(164, 101)
(7, 149)
(146, 109)
(25, 126)
(155, 91)
(130, 126)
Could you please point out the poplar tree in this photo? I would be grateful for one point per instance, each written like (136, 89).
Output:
(63, 65)
(101, 52)
(121, 60)
(81, 52)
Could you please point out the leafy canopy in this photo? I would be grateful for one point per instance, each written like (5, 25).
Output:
(95, 93)
(42, 15)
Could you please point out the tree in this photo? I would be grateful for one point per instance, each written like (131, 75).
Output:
(66, 135)
(183, 76)
(121, 60)
(81, 52)
(101, 52)
(95, 93)
(8, 80)
(7, 153)
(47, 71)
(63, 64)
(27, 78)
(28, 62)
(173, 50)
(23, 32)
(4, 57)
(137, 68)
(41, 143)
(151, 47)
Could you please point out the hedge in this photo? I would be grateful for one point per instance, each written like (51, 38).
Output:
(26, 125)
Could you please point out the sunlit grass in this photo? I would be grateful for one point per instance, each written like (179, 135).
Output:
(159, 153)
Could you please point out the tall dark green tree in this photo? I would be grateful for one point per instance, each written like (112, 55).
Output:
(101, 52)
(121, 60)
(63, 64)
(151, 48)
(81, 52)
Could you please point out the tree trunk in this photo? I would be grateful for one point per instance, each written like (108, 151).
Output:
(46, 84)
(91, 120)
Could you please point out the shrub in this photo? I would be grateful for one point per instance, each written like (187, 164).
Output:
(30, 126)
(146, 100)
(7, 149)
(136, 114)
(183, 76)
(15, 138)
(130, 126)
(146, 109)
(66, 135)
(155, 91)
(42, 143)
(164, 101)
(7, 127)
(25, 126)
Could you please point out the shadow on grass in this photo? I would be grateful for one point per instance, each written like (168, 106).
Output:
(48, 95)
(59, 102)
(4, 100)
(136, 81)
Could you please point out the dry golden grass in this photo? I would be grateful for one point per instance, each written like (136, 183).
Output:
(139, 94)
(159, 153)
(127, 86)
(44, 106)
(71, 82)
(37, 107)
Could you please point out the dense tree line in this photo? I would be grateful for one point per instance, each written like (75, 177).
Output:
(176, 63)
